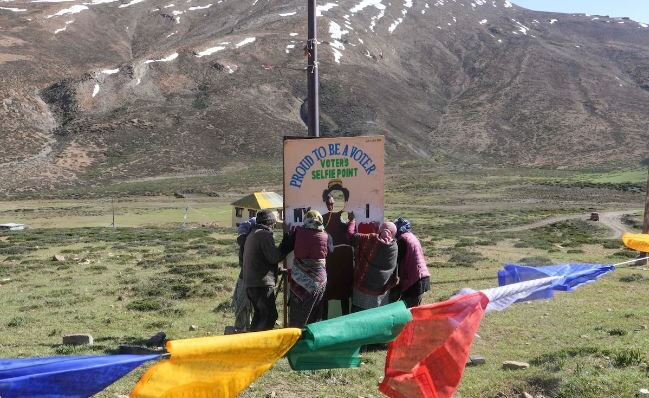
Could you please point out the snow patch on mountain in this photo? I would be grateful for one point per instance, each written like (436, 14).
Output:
(199, 7)
(210, 51)
(168, 58)
(132, 2)
(75, 9)
(320, 9)
(336, 35)
(59, 30)
(378, 4)
(13, 9)
(245, 42)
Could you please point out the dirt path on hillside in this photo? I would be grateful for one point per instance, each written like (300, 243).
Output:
(610, 219)
(613, 221)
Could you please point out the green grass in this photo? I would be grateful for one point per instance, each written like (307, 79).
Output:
(124, 285)
(637, 176)
(631, 180)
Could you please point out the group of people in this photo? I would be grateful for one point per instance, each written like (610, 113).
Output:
(388, 265)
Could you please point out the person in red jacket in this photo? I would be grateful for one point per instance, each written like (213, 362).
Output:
(308, 277)
(414, 278)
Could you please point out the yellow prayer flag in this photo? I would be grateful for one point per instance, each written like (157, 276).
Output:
(220, 366)
(639, 242)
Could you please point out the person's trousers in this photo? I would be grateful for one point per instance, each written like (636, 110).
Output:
(264, 310)
(413, 295)
(309, 310)
(242, 308)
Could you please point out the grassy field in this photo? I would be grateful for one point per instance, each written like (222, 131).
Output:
(159, 271)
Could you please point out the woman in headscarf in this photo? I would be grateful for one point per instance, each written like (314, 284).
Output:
(414, 278)
(308, 277)
(375, 267)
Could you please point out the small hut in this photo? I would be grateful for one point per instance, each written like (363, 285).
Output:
(249, 205)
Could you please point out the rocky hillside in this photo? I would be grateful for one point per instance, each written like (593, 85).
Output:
(101, 90)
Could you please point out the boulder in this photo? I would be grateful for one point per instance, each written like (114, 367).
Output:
(515, 365)
(157, 340)
(78, 339)
(476, 360)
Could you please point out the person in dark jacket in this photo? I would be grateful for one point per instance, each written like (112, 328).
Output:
(309, 274)
(240, 301)
(414, 278)
(260, 269)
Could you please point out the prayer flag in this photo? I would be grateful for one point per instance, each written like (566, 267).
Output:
(502, 297)
(572, 276)
(64, 376)
(428, 358)
(639, 242)
(220, 366)
(335, 343)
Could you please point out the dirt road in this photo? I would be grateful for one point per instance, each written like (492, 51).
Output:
(610, 219)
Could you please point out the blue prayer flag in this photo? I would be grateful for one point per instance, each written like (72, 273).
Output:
(64, 376)
(572, 276)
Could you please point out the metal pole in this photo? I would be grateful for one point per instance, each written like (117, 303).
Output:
(312, 72)
(645, 223)
(112, 200)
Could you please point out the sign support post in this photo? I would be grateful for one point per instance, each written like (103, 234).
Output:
(312, 72)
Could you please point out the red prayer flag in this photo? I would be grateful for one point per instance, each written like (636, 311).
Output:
(428, 358)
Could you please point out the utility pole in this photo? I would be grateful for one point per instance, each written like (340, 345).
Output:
(313, 107)
(312, 72)
(645, 221)
(112, 201)
(184, 226)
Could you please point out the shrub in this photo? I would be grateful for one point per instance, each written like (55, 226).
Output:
(145, 305)
(632, 278)
(627, 357)
(17, 321)
(535, 260)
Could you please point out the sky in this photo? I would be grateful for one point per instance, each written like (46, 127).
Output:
(638, 10)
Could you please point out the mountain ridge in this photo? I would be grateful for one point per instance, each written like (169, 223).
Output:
(109, 90)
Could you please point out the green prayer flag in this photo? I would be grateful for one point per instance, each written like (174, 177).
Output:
(336, 343)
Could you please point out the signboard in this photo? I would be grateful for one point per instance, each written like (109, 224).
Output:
(317, 167)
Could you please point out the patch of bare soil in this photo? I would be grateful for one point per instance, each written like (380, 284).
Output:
(5, 57)
(76, 158)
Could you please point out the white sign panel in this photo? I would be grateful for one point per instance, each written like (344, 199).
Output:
(315, 168)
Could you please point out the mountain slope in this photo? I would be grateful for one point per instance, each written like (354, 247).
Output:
(108, 89)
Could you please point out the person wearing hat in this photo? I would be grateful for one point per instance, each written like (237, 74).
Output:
(260, 269)
(414, 278)
(308, 277)
(332, 220)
